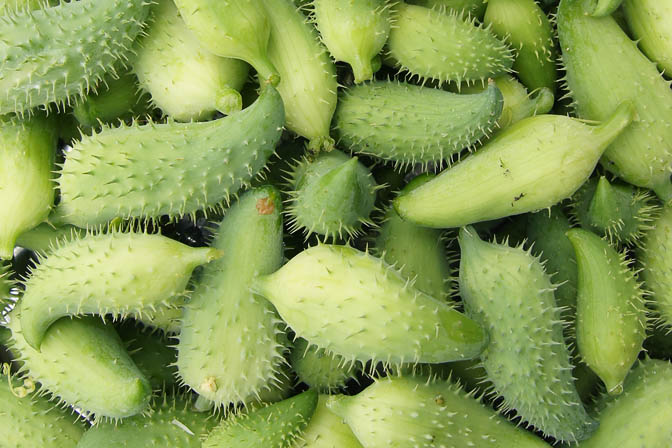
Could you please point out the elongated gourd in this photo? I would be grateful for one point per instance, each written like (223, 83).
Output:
(355, 305)
(19, 5)
(238, 29)
(509, 175)
(229, 347)
(83, 363)
(353, 31)
(508, 292)
(610, 311)
(599, 77)
(307, 74)
(45, 62)
(655, 257)
(399, 412)
(170, 169)
(408, 124)
(650, 22)
(441, 45)
(27, 150)
(326, 430)
(115, 273)
(185, 80)
(324, 371)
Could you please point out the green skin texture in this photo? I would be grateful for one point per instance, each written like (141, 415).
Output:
(273, 426)
(83, 363)
(474, 7)
(108, 274)
(655, 257)
(27, 150)
(238, 29)
(14, 5)
(185, 80)
(172, 423)
(640, 417)
(650, 23)
(307, 74)
(333, 195)
(326, 430)
(353, 31)
(408, 124)
(605, 68)
(357, 306)
(430, 43)
(400, 412)
(527, 29)
(32, 421)
(509, 175)
(46, 236)
(507, 291)
(604, 8)
(318, 369)
(229, 348)
(45, 62)
(168, 169)
(610, 311)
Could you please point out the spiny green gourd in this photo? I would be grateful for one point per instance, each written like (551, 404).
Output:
(319, 369)
(332, 195)
(509, 175)
(326, 430)
(408, 124)
(619, 211)
(357, 306)
(167, 169)
(610, 311)
(27, 150)
(45, 62)
(441, 45)
(399, 412)
(229, 347)
(601, 8)
(475, 8)
(18, 5)
(29, 420)
(651, 23)
(185, 80)
(527, 29)
(601, 76)
(114, 274)
(169, 423)
(46, 236)
(238, 29)
(418, 252)
(655, 258)
(83, 363)
(353, 31)
(274, 426)
(508, 292)
(307, 74)
(640, 417)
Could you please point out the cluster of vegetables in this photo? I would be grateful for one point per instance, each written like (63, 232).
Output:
(336, 223)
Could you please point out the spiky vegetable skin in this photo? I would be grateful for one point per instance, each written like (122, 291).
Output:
(439, 44)
(651, 23)
(408, 124)
(610, 311)
(152, 352)
(31, 421)
(45, 62)
(475, 8)
(237, 29)
(400, 412)
(332, 195)
(19, 5)
(601, 76)
(326, 430)
(229, 348)
(46, 236)
(355, 305)
(307, 74)
(186, 81)
(320, 369)
(84, 363)
(170, 423)
(274, 426)
(114, 273)
(27, 149)
(526, 27)
(168, 169)
(507, 291)
(353, 31)
(501, 179)
(655, 257)
(640, 417)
